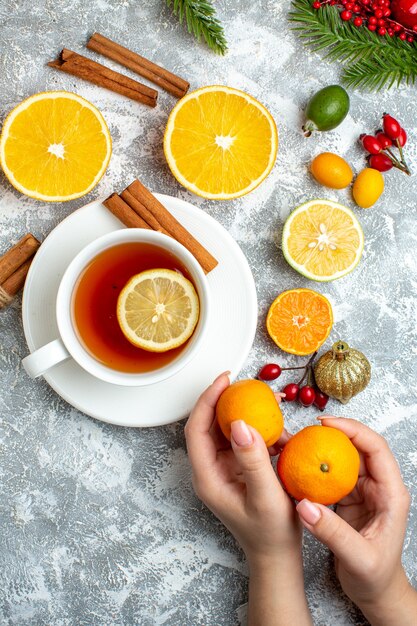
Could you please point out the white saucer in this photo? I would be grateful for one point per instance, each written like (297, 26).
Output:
(227, 343)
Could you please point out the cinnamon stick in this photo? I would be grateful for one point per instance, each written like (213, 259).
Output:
(78, 65)
(170, 224)
(155, 73)
(124, 212)
(17, 255)
(142, 211)
(16, 281)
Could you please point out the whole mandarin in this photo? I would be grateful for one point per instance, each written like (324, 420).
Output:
(319, 463)
(252, 401)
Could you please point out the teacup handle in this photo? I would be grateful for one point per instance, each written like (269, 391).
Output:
(44, 358)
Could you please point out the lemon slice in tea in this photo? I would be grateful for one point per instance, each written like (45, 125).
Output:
(322, 240)
(158, 310)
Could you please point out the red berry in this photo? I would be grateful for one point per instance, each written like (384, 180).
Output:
(371, 144)
(358, 21)
(383, 140)
(404, 12)
(380, 162)
(291, 392)
(349, 6)
(381, 22)
(316, 5)
(402, 139)
(387, 12)
(321, 400)
(410, 39)
(378, 13)
(372, 20)
(270, 372)
(382, 31)
(390, 32)
(397, 28)
(402, 36)
(366, 2)
(356, 8)
(415, 28)
(391, 127)
(371, 26)
(307, 395)
(346, 15)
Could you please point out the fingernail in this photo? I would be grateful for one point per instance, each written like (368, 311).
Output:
(241, 434)
(327, 417)
(308, 512)
(227, 373)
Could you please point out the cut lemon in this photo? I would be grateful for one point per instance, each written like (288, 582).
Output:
(158, 310)
(220, 143)
(299, 321)
(55, 146)
(322, 240)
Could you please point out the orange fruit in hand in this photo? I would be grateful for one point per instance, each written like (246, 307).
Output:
(319, 463)
(299, 321)
(253, 402)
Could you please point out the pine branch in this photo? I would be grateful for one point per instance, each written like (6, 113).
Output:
(372, 61)
(201, 22)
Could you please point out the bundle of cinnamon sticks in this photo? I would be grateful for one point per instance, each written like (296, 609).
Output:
(14, 266)
(137, 207)
(72, 63)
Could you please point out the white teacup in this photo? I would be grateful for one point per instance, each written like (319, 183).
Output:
(68, 344)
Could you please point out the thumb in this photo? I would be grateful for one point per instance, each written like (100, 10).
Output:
(253, 458)
(343, 540)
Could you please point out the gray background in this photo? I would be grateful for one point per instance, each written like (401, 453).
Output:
(99, 524)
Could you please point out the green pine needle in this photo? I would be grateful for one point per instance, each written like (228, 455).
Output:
(371, 61)
(201, 22)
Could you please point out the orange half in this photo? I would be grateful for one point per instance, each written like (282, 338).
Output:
(299, 321)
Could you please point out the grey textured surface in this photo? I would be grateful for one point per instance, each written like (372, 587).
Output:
(99, 524)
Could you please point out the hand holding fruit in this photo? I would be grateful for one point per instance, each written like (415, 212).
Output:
(261, 517)
(366, 532)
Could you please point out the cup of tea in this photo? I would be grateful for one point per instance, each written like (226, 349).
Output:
(86, 310)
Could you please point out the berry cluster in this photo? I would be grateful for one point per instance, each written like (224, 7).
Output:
(379, 146)
(305, 394)
(376, 15)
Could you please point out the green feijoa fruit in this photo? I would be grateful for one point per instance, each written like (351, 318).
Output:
(326, 109)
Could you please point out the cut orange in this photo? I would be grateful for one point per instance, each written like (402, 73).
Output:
(220, 143)
(55, 146)
(322, 240)
(299, 321)
(158, 310)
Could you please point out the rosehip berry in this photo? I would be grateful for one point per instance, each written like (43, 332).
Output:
(270, 372)
(371, 26)
(410, 39)
(307, 395)
(397, 28)
(291, 392)
(380, 162)
(402, 36)
(378, 13)
(358, 21)
(402, 139)
(382, 31)
(356, 8)
(383, 140)
(321, 400)
(346, 15)
(371, 144)
(349, 6)
(391, 127)
(316, 5)
(381, 22)
(372, 20)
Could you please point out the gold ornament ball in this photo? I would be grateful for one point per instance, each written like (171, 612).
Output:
(342, 372)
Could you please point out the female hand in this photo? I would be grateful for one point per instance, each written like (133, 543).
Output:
(366, 533)
(237, 482)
